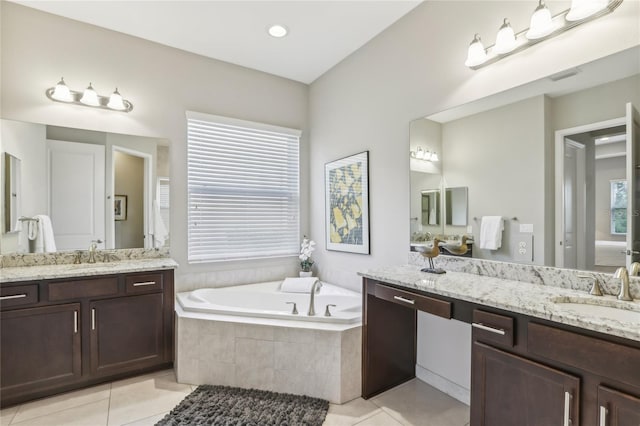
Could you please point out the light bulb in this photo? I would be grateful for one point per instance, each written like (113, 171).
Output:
(420, 153)
(434, 157)
(278, 31)
(541, 25)
(581, 9)
(116, 102)
(90, 97)
(61, 92)
(506, 38)
(476, 54)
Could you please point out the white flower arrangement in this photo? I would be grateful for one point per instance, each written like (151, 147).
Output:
(306, 248)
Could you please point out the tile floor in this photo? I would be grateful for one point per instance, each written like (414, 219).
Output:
(144, 400)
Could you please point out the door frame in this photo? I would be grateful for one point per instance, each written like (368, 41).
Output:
(560, 136)
(147, 197)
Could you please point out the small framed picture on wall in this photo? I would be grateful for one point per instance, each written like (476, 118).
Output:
(120, 207)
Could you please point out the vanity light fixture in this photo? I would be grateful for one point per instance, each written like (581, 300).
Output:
(89, 97)
(543, 26)
(421, 154)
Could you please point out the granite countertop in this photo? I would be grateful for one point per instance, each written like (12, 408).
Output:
(535, 300)
(43, 272)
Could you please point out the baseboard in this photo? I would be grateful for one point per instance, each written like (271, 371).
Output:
(444, 385)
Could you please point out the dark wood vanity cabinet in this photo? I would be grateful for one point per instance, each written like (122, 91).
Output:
(71, 333)
(524, 371)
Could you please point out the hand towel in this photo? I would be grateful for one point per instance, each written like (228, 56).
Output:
(45, 241)
(299, 285)
(491, 229)
(23, 236)
(160, 233)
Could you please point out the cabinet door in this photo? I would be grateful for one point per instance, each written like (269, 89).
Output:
(510, 390)
(617, 408)
(126, 333)
(40, 348)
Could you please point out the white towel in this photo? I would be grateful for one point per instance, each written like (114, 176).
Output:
(491, 229)
(45, 241)
(160, 233)
(299, 285)
(23, 236)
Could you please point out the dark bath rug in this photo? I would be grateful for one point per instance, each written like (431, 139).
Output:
(227, 406)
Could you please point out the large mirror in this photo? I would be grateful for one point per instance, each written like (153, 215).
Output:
(80, 186)
(552, 159)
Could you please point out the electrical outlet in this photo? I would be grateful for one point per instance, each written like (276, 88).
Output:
(523, 250)
(469, 229)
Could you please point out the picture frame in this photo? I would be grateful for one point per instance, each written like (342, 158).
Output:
(347, 204)
(120, 207)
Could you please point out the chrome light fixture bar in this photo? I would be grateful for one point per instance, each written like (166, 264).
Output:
(421, 154)
(89, 97)
(543, 27)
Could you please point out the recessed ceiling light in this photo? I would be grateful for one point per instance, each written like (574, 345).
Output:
(278, 31)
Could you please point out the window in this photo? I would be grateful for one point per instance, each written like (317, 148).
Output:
(243, 189)
(618, 207)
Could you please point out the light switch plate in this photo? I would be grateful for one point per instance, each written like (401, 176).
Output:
(526, 228)
(469, 229)
(523, 248)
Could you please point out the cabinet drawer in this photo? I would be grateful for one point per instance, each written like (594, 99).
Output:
(18, 295)
(428, 304)
(90, 287)
(585, 352)
(493, 328)
(143, 283)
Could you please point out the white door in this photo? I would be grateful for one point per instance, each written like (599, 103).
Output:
(76, 193)
(633, 185)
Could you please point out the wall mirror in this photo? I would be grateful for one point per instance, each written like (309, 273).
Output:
(548, 157)
(456, 206)
(78, 179)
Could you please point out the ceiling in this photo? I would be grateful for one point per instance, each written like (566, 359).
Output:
(321, 33)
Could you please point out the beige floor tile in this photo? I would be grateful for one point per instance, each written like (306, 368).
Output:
(145, 398)
(415, 401)
(350, 413)
(7, 414)
(148, 421)
(380, 419)
(92, 414)
(61, 402)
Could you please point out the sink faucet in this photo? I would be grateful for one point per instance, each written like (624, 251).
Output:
(92, 250)
(624, 283)
(312, 308)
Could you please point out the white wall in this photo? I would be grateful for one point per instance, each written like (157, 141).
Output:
(413, 69)
(162, 82)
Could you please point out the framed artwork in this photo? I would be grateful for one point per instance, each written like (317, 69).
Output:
(120, 207)
(346, 184)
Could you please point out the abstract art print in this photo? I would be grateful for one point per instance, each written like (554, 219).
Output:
(347, 203)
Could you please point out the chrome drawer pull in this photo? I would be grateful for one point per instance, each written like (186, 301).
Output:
(603, 416)
(567, 409)
(402, 299)
(14, 296)
(93, 318)
(144, 283)
(75, 322)
(490, 329)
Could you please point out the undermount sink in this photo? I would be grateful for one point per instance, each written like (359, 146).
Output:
(601, 307)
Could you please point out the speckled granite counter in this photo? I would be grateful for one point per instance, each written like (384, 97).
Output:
(42, 272)
(540, 301)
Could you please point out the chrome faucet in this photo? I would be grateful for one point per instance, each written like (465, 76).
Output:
(624, 283)
(312, 308)
(92, 250)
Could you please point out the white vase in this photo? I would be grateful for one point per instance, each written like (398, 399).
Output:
(306, 273)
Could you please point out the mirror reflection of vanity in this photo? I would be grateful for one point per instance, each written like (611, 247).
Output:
(93, 186)
(504, 148)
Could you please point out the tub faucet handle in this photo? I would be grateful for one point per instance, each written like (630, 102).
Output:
(294, 311)
(326, 310)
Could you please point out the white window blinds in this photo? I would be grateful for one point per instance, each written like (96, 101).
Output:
(243, 185)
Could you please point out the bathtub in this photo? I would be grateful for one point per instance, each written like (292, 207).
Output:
(246, 336)
(265, 300)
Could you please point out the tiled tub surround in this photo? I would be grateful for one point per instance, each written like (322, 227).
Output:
(68, 257)
(533, 274)
(535, 300)
(42, 272)
(300, 357)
